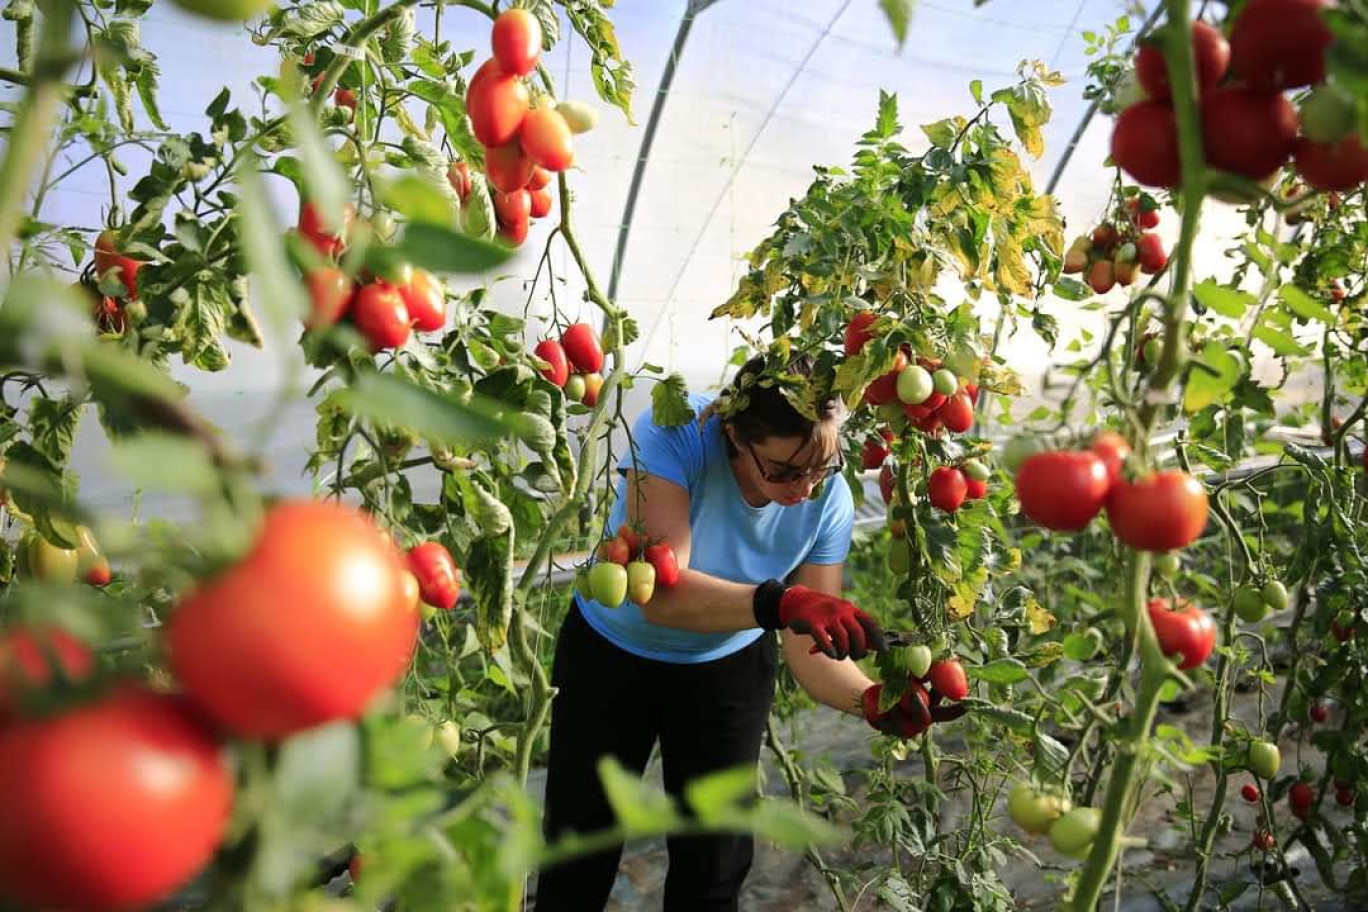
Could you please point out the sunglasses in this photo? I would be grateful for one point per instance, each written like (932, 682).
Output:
(791, 473)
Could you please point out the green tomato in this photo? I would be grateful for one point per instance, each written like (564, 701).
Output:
(899, 556)
(1019, 449)
(976, 470)
(582, 586)
(918, 660)
(641, 578)
(945, 381)
(1264, 759)
(892, 415)
(1274, 594)
(1126, 253)
(915, 385)
(50, 563)
(609, 584)
(225, 10)
(1035, 811)
(1249, 604)
(1073, 833)
(1327, 114)
(574, 388)
(449, 737)
(1167, 565)
(420, 724)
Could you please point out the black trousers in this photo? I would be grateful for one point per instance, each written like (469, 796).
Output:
(708, 717)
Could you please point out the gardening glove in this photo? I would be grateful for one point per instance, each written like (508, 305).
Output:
(907, 718)
(837, 627)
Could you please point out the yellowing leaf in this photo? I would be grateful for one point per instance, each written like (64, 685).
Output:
(1040, 620)
(1012, 273)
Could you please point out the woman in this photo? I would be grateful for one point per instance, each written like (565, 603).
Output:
(746, 500)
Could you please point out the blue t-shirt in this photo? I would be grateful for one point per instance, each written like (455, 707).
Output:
(730, 539)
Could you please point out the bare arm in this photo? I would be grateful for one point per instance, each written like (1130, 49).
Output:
(699, 602)
(838, 684)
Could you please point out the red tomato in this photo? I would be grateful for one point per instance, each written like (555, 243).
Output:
(379, 313)
(930, 426)
(514, 234)
(1150, 249)
(1102, 276)
(98, 574)
(1280, 44)
(27, 658)
(111, 805)
(1264, 840)
(547, 139)
(107, 258)
(306, 629)
(1144, 144)
(1345, 797)
(541, 203)
(1248, 132)
(439, 582)
(517, 41)
(887, 479)
(1113, 450)
(330, 294)
(550, 351)
(1301, 798)
(1210, 51)
(425, 298)
(1062, 489)
(1105, 236)
(662, 557)
(972, 391)
(582, 348)
(948, 679)
(873, 453)
(1147, 219)
(507, 168)
(947, 488)
(497, 103)
(593, 382)
(540, 178)
(1341, 165)
(513, 208)
(1186, 631)
(975, 489)
(1250, 793)
(857, 332)
(957, 414)
(1163, 512)
(458, 175)
(615, 550)
(109, 315)
(1318, 712)
(345, 98)
(311, 228)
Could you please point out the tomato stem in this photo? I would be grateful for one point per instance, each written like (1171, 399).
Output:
(356, 38)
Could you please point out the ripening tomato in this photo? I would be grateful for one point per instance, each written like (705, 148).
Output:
(593, 382)
(1248, 132)
(507, 167)
(1264, 841)
(313, 230)
(1113, 450)
(439, 582)
(948, 679)
(582, 348)
(614, 550)
(662, 557)
(90, 563)
(1210, 52)
(957, 414)
(1062, 489)
(539, 180)
(541, 203)
(330, 295)
(1144, 144)
(550, 351)
(512, 208)
(379, 312)
(1341, 165)
(1150, 252)
(425, 298)
(48, 562)
(632, 537)
(497, 103)
(345, 98)
(640, 582)
(547, 139)
(1280, 44)
(28, 657)
(306, 629)
(110, 805)
(947, 488)
(1162, 512)
(1185, 631)
(857, 331)
(517, 41)
(458, 175)
(1102, 276)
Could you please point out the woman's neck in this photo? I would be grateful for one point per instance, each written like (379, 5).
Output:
(749, 492)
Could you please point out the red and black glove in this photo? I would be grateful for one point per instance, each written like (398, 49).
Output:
(838, 628)
(911, 715)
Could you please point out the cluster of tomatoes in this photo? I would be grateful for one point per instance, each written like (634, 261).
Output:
(579, 348)
(628, 567)
(319, 617)
(1038, 811)
(1113, 256)
(1249, 127)
(931, 682)
(385, 310)
(523, 144)
(108, 310)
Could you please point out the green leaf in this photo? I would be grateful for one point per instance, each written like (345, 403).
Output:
(899, 15)
(942, 133)
(418, 200)
(999, 671)
(787, 824)
(146, 84)
(281, 295)
(443, 250)
(640, 809)
(613, 78)
(1305, 306)
(156, 461)
(713, 797)
(1214, 374)
(311, 19)
(670, 403)
(201, 322)
(1282, 344)
(1228, 302)
(433, 416)
(52, 426)
(489, 569)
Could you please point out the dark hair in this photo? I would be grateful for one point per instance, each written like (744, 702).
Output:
(756, 408)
